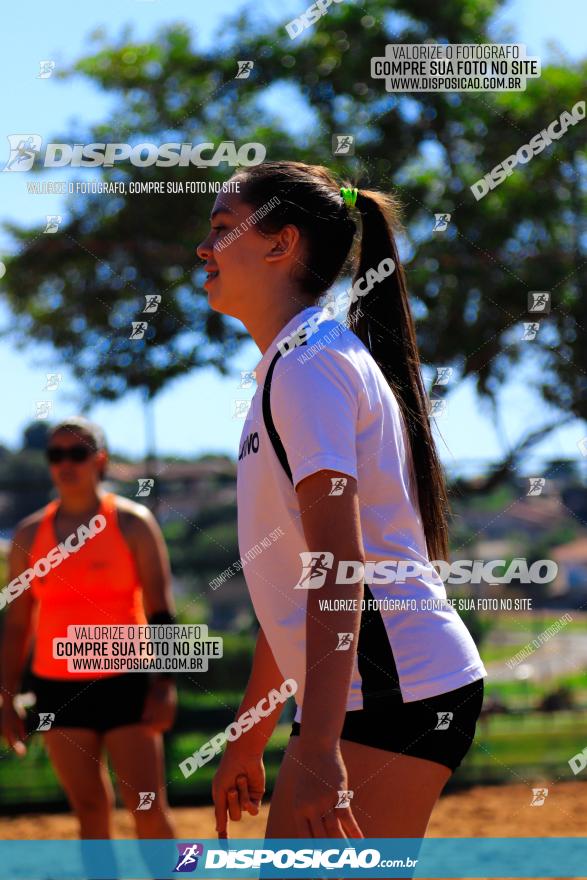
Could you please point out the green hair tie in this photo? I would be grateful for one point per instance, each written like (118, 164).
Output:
(349, 196)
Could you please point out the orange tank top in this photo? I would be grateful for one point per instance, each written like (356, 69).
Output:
(97, 585)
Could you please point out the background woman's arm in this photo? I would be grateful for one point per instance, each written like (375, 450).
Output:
(151, 558)
(152, 561)
(16, 642)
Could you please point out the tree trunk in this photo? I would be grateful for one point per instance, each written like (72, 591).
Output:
(152, 500)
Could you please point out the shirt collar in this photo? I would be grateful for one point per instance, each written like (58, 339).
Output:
(293, 324)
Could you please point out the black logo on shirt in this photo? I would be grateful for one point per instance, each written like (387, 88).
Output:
(250, 444)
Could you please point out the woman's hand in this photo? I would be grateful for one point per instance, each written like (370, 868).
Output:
(12, 727)
(160, 704)
(237, 787)
(322, 776)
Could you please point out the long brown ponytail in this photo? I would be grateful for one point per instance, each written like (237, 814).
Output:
(310, 198)
(384, 323)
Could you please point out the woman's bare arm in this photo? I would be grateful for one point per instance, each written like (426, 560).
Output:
(17, 635)
(331, 525)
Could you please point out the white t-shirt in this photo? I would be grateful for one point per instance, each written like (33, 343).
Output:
(334, 410)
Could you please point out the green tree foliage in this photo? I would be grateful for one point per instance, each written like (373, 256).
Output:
(80, 288)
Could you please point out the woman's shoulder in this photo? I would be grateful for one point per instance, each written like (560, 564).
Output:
(134, 519)
(27, 528)
(128, 506)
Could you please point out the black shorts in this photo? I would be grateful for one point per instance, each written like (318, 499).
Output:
(422, 729)
(99, 704)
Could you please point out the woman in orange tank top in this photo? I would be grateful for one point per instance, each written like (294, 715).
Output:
(95, 559)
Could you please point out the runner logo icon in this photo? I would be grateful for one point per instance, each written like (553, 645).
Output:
(338, 484)
(441, 222)
(343, 144)
(23, 151)
(244, 69)
(189, 854)
(539, 301)
(444, 719)
(46, 719)
(345, 641)
(314, 569)
(344, 799)
(145, 486)
(146, 799)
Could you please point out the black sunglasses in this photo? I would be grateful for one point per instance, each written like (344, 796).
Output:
(78, 453)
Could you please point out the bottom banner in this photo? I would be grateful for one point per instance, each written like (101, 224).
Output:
(294, 857)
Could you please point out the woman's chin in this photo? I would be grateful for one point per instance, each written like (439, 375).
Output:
(215, 299)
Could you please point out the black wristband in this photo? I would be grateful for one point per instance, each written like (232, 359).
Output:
(161, 617)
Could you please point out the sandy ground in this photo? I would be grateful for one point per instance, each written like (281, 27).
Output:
(494, 811)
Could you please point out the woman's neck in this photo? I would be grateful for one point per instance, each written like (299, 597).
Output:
(74, 505)
(264, 326)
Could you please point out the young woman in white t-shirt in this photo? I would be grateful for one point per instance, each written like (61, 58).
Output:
(337, 468)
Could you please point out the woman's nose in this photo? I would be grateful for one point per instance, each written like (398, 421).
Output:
(203, 249)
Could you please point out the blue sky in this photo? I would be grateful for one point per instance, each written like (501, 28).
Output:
(195, 414)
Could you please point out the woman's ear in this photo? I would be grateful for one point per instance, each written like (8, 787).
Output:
(283, 243)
